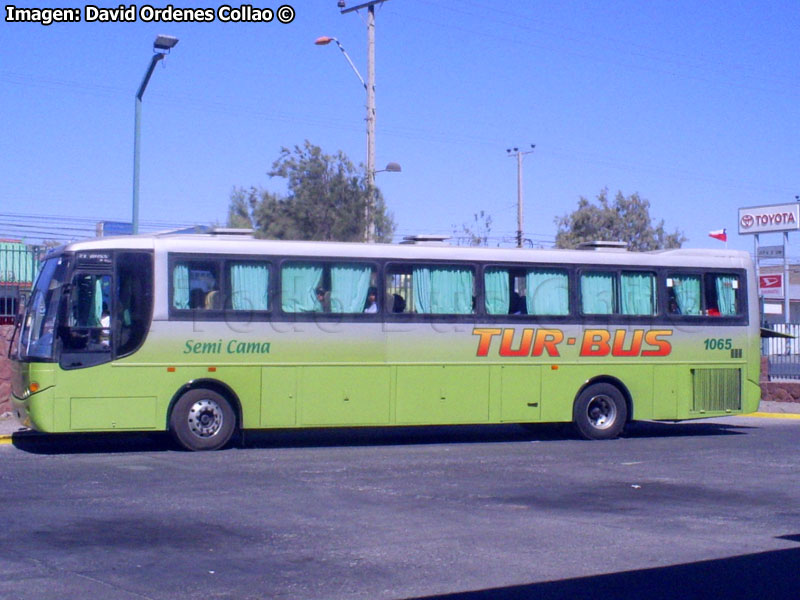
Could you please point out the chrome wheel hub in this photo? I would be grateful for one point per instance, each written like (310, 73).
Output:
(602, 412)
(205, 418)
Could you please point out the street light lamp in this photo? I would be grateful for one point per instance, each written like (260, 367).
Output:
(391, 167)
(161, 47)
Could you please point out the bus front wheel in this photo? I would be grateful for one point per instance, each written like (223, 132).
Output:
(600, 412)
(202, 419)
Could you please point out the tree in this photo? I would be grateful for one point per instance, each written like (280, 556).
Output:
(627, 219)
(326, 200)
(475, 233)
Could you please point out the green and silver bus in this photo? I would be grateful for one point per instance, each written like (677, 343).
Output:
(204, 335)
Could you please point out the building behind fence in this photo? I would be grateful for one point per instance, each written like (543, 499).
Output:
(18, 269)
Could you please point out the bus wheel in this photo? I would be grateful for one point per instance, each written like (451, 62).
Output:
(202, 420)
(600, 412)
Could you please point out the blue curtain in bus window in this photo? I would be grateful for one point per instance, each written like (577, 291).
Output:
(687, 294)
(451, 291)
(98, 302)
(421, 288)
(349, 287)
(298, 287)
(547, 292)
(250, 286)
(497, 291)
(597, 293)
(726, 295)
(443, 291)
(638, 293)
(180, 286)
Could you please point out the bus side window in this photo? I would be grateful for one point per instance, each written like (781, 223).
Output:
(248, 286)
(328, 287)
(683, 294)
(598, 293)
(721, 294)
(435, 289)
(192, 281)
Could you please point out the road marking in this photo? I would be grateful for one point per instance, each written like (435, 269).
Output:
(772, 415)
(5, 439)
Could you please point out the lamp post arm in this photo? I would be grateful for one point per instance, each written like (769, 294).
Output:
(153, 62)
(350, 62)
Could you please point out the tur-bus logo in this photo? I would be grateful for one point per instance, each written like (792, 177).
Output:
(595, 342)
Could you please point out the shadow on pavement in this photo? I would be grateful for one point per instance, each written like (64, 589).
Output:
(660, 429)
(95, 443)
(768, 575)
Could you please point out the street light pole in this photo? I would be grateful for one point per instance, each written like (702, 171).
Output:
(162, 45)
(519, 154)
(370, 207)
(371, 112)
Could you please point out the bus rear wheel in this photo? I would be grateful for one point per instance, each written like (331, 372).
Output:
(600, 412)
(202, 419)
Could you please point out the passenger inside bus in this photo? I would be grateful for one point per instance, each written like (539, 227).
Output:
(371, 305)
(213, 300)
(398, 303)
(197, 298)
(517, 304)
(324, 299)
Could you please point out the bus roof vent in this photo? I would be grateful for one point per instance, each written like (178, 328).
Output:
(426, 240)
(231, 231)
(604, 246)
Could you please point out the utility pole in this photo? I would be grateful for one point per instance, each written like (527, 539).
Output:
(371, 113)
(519, 154)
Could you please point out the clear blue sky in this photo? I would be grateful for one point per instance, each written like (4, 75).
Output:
(694, 105)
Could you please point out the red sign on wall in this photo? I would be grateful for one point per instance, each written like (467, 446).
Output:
(771, 286)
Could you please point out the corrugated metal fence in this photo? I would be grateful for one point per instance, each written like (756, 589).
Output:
(18, 268)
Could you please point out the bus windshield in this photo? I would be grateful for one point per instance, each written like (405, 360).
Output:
(36, 339)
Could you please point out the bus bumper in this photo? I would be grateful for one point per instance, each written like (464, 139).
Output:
(35, 410)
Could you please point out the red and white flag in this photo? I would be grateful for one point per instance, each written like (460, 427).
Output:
(719, 234)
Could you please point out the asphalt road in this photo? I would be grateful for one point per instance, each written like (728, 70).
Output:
(690, 510)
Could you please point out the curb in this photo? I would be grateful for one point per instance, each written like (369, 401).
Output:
(764, 415)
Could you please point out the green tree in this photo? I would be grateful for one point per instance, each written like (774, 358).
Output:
(625, 219)
(326, 200)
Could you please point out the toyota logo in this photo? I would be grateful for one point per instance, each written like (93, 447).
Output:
(747, 221)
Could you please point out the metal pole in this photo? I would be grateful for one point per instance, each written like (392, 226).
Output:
(758, 279)
(370, 207)
(786, 305)
(519, 199)
(520, 155)
(137, 126)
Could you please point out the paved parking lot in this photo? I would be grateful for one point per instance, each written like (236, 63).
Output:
(671, 510)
